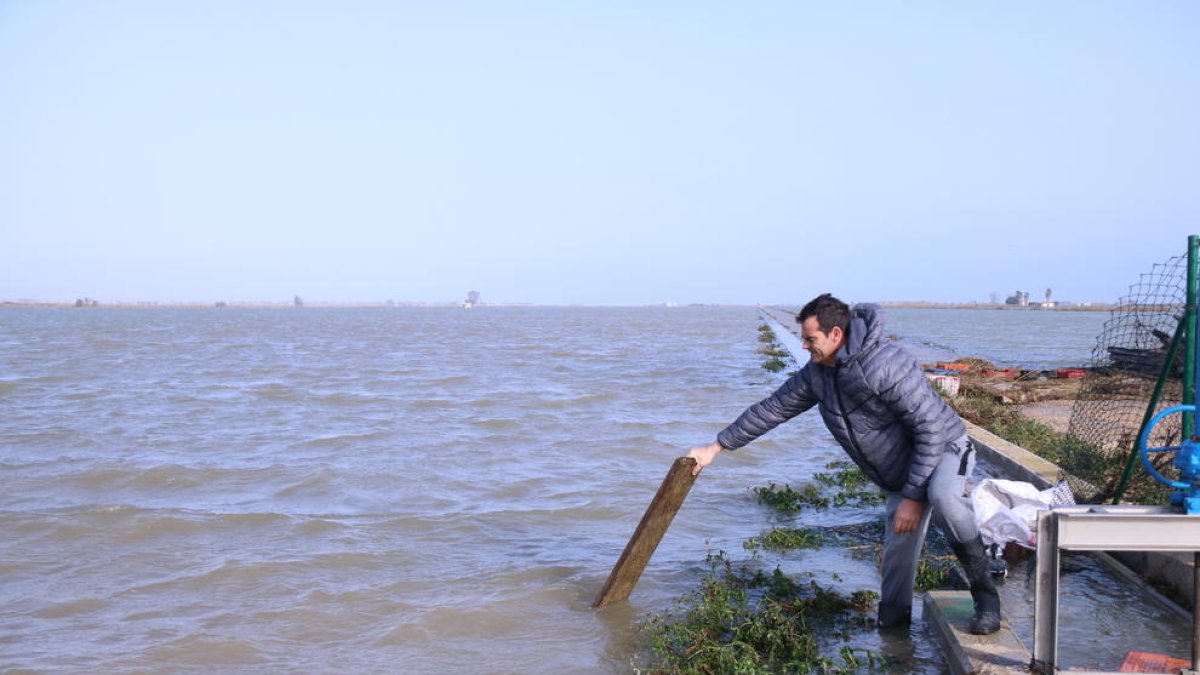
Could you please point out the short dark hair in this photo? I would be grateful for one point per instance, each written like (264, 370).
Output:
(829, 311)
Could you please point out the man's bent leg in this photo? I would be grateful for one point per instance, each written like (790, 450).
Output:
(947, 491)
(946, 494)
(901, 552)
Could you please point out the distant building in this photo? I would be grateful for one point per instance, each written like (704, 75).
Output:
(1019, 299)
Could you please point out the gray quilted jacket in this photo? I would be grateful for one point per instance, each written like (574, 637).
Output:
(876, 402)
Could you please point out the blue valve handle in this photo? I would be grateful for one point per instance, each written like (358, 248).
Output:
(1144, 440)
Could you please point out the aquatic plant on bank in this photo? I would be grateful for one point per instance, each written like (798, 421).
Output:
(846, 485)
(786, 538)
(935, 569)
(750, 621)
(778, 358)
(742, 621)
(774, 365)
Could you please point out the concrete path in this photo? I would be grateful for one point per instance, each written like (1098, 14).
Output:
(947, 614)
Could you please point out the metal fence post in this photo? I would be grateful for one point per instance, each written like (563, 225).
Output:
(1045, 617)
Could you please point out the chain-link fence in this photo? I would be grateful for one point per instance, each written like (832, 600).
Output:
(1126, 364)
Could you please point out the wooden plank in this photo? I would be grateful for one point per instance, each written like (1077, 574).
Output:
(649, 532)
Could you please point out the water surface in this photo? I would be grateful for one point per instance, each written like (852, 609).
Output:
(373, 490)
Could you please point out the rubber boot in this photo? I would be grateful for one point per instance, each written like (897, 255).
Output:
(894, 616)
(987, 601)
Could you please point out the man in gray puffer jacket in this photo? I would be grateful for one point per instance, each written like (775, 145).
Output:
(881, 409)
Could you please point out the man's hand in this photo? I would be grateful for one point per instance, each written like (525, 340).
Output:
(703, 456)
(908, 516)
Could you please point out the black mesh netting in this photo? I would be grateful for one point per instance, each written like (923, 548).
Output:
(1126, 363)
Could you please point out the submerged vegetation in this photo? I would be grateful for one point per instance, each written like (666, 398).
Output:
(740, 621)
(777, 358)
(846, 486)
(788, 501)
(746, 620)
(785, 538)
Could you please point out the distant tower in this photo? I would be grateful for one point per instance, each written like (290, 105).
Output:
(1047, 296)
(297, 301)
(472, 299)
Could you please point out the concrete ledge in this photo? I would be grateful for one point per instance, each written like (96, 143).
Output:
(947, 613)
(1014, 462)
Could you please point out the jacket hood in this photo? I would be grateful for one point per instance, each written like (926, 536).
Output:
(866, 331)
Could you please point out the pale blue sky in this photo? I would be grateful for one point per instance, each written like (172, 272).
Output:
(597, 153)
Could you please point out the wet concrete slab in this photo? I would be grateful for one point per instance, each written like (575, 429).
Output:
(947, 614)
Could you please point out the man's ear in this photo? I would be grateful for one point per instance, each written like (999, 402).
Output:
(836, 334)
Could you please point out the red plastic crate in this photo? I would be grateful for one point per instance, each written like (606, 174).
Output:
(1146, 662)
(1006, 373)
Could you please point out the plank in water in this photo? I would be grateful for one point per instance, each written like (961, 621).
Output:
(649, 532)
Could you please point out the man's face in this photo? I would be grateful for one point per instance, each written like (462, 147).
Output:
(822, 348)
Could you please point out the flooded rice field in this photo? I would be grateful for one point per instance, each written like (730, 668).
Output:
(373, 490)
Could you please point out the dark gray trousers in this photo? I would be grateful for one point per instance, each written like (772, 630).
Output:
(946, 501)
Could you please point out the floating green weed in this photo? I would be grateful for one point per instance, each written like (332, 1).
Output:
(847, 485)
(774, 365)
(753, 622)
(778, 359)
(788, 501)
(780, 539)
(851, 486)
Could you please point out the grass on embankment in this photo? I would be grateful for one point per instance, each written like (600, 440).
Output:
(1100, 469)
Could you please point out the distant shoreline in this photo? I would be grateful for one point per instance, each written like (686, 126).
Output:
(1095, 307)
(229, 305)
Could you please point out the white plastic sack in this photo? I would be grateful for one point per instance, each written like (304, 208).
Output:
(1006, 510)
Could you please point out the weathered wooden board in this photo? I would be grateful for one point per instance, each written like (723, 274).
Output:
(649, 532)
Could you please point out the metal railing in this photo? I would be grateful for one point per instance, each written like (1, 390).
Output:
(1105, 528)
